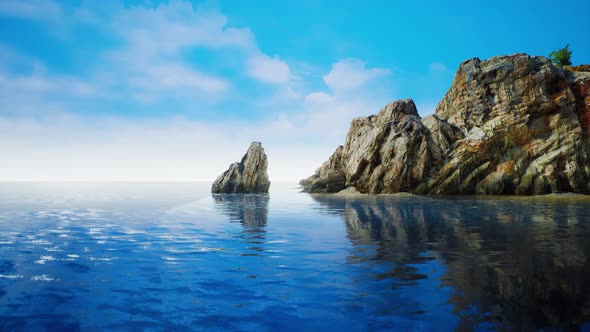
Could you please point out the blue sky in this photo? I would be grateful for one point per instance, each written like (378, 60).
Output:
(176, 90)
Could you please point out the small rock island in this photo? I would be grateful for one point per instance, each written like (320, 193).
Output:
(248, 176)
(509, 125)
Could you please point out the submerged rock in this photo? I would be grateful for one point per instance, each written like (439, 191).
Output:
(508, 125)
(248, 176)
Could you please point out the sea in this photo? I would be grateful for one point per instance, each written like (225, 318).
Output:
(174, 257)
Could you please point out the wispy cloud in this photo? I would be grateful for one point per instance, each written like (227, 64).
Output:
(152, 61)
(63, 85)
(45, 10)
(349, 74)
(355, 90)
(436, 67)
(269, 70)
(176, 79)
(170, 27)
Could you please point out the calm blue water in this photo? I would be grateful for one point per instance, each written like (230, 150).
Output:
(155, 257)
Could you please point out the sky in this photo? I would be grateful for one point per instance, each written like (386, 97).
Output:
(176, 90)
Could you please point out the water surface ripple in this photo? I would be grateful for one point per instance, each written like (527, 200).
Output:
(171, 256)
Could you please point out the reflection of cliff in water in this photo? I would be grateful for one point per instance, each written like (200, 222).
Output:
(249, 209)
(520, 263)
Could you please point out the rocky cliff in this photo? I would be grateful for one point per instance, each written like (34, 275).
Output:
(248, 176)
(508, 125)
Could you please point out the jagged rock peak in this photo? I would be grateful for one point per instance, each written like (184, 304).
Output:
(374, 157)
(513, 124)
(248, 176)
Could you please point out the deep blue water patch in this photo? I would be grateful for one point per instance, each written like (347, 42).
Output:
(174, 257)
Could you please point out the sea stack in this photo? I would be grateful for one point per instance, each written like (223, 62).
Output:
(248, 176)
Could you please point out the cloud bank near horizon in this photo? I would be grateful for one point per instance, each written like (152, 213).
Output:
(173, 93)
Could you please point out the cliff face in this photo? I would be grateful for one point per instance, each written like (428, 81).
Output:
(508, 125)
(247, 176)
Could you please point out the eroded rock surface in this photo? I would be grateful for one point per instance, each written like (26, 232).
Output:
(248, 176)
(509, 125)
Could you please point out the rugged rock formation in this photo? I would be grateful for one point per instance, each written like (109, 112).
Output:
(247, 176)
(508, 125)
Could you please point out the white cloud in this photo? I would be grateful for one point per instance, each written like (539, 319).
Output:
(437, 67)
(36, 93)
(176, 78)
(26, 86)
(329, 116)
(355, 91)
(169, 27)
(152, 63)
(156, 40)
(349, 74)
(269, 70)
(31, 9)
(65, 86)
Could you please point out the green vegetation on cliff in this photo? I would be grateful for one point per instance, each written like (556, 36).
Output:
(562, 56)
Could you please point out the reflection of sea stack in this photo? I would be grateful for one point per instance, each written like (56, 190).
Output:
(247, 176)
(250, 210)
